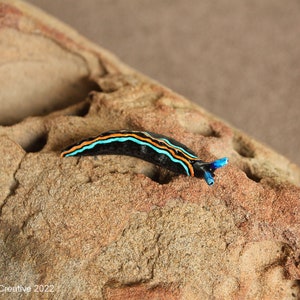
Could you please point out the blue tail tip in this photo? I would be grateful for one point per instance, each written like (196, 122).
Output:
(219, 163)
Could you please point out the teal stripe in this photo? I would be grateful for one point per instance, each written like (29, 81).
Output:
(169, 143)
(180, 148)
(135, 140)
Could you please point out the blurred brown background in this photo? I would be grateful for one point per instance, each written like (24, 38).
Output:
(238, 59)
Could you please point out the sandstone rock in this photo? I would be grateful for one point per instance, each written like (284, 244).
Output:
(114, 227)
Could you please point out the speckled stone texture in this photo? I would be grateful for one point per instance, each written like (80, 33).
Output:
(115, 227)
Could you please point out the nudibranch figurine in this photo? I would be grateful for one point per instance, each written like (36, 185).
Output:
(152, 147)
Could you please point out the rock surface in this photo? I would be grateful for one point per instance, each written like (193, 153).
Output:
(114, 227)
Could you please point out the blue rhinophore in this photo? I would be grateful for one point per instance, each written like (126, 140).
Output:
(219, 163)
(208, 178)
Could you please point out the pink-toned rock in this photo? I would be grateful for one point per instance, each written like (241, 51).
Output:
(115, 227)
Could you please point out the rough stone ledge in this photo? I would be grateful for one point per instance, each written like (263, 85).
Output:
(114, 227)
